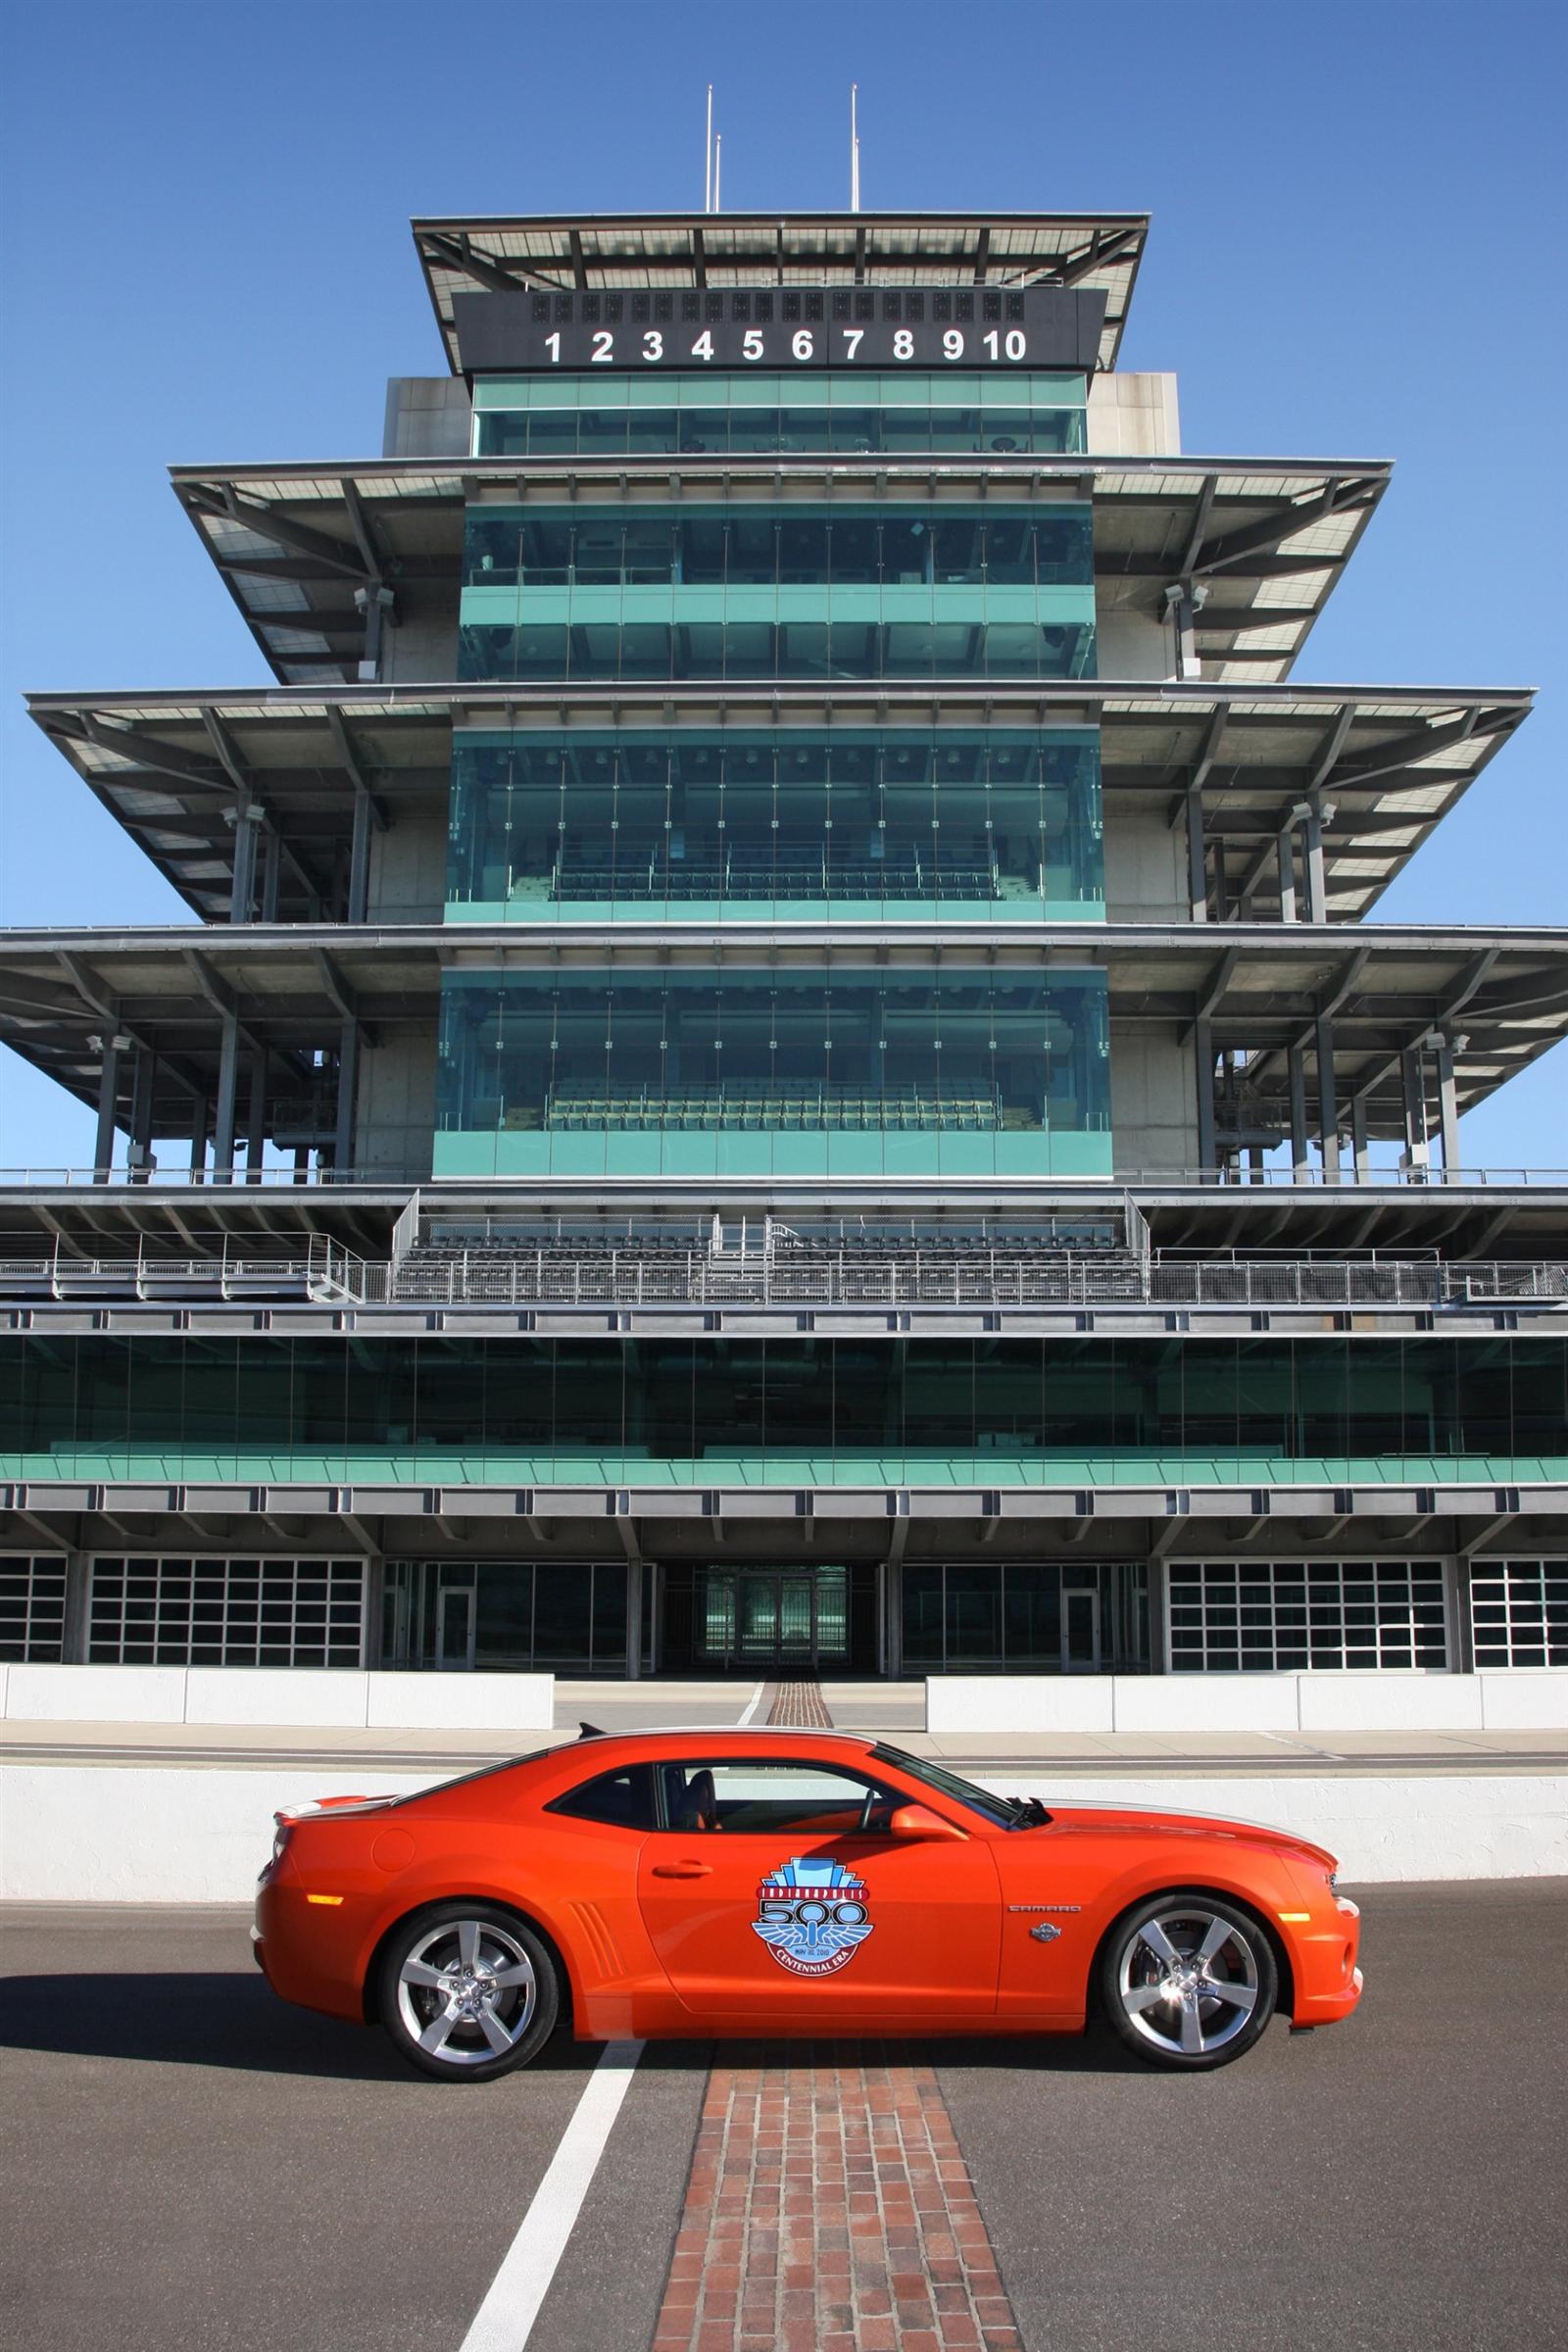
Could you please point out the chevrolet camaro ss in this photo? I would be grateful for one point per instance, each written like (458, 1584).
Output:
(717, 1883)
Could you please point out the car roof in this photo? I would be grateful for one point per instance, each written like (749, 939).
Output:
(720, 1734)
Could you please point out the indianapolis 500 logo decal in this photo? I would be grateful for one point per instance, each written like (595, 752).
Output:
(811, 1916)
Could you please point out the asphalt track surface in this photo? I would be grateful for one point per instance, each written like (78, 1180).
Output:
(189, 2163)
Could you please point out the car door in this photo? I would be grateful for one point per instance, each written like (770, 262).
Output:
(777, 1892)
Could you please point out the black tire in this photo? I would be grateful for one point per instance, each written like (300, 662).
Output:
(1219, 1964)
(483, 1974)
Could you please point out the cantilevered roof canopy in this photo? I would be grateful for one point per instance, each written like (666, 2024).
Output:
(1263, 541)
(1390, 761)
(1499, 995)
(501, 254)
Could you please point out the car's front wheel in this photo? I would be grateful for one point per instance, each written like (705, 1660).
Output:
(467, 1991)
(1188, 1980)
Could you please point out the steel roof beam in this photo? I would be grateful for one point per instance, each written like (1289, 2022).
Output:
(351, 763)
(1344, 493)
(345, 998)
(452, 253)
(1213, 991)
(222, 503)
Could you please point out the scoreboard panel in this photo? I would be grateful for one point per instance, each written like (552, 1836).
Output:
(780, 329)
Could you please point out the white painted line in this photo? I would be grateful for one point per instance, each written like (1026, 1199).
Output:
(754, 1703)
(505, 2319)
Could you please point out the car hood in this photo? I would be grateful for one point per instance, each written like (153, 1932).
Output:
(1123, 1821)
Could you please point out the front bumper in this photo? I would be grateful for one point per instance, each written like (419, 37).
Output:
(1323, 1962)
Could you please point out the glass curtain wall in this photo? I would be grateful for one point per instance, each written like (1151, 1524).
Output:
(505, 1616)
(994, 825)
(955, 413)
(803, 1411)
(891, 590)
(1030, 1617)
(698, 1072)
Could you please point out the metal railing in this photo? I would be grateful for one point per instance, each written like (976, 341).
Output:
(324, 1273)
(286, 1179)
(978, 1278)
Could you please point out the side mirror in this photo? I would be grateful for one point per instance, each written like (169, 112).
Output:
(919, 1821)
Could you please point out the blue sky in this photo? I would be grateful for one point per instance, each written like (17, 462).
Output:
(1356, 252)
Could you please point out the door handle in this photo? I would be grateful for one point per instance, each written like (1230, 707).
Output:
(683, 1870)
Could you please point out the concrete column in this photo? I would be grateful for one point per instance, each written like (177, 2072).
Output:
(1300, 1156)
(894, 1620)
(1328, 1102)
(140, 1153)
(1197, 860)
(634, 1621)
(1287, 856)
(256, 1116)
(372, 1614)
(1358, 1142)
(108, 1092)
(1448, 1108)
(655, 1579)
(1461, 1628)
(242, 888)
(348, 1079)
(1412, 1072)
(359, 898)
(1158, 1618)
(1317, 896)
(73, 1648)
(1203, 1062)
(201, 1111)
(274, 868)
(228, 1086)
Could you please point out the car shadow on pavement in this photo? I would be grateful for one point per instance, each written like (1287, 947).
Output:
(214, 2019)
(222, 2020)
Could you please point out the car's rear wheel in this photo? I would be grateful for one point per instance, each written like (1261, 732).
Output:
(1188, 1980)
(468, 1992)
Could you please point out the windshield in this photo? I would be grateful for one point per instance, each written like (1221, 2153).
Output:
(1003, 1811)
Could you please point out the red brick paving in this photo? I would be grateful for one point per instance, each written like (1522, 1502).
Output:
(829, 2210)
(800, 1707)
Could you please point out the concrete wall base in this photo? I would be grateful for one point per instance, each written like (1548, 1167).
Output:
(333, 1697)
(147, 1835)
(1520, 1700)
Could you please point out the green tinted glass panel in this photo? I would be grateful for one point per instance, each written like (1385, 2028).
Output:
(752, 415)
(996, 825)
(893, 591)
(793, 1412)
(739, 1071)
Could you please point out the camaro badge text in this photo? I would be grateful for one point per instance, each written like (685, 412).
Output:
(811, 1913)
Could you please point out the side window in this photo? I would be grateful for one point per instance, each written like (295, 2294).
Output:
(624, 1799)
(762, 1798)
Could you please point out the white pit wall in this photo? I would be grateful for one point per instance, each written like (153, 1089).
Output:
(1520, 1699)
(90, 1833)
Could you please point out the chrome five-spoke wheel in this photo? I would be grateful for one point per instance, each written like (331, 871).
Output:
(1188, 1980)
(468, 1992)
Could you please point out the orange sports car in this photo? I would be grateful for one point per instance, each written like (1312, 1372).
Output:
(706, 1882)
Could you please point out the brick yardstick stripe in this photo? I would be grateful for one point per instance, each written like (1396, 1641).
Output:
(829, 2210)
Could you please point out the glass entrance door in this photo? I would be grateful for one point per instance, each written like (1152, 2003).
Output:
(1080, 1630)
(454, 1628)
(773, 1620)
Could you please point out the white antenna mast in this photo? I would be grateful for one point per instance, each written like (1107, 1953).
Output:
(708, 156)
(719, 158)
(854, 151)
